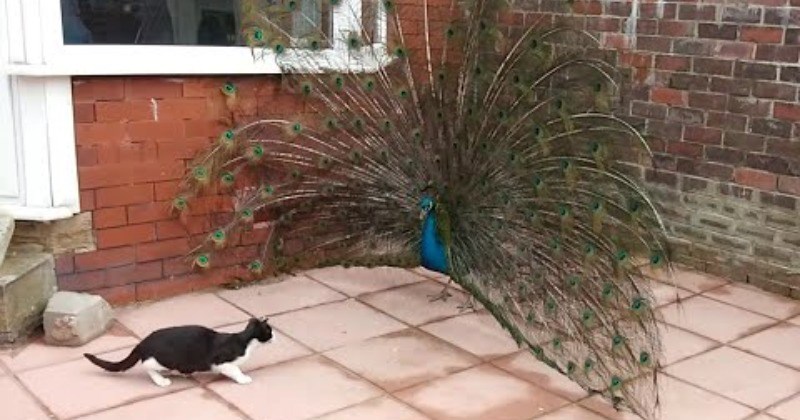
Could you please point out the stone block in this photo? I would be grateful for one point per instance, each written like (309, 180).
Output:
(6, 232)
(74, 319)
(27, 281)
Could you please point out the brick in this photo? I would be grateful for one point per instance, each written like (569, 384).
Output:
(663, 130)
(160, 289)
(693, 47)
(784, 91)
(169, 229)
(646, 27)
(83, 112)
(126, 174)
(737, 191)
(87, 200)
(156, 130)
(744, 141)
(769, 163)
(116, 296)
(695, 12)
(166, 190)
(778, 200)
(741, 14)
(685, 81)
(787, 111)
(123, 111)
(648, 110)
(636, 59)
(790, 74)
(604, 24)
(676, 28)
(724, 155)
(121, 196)
(709, 101)
(181, 149)
(162, 249)
(705, 135)
(781, 17)
(726, 121)
(95, 133)
(762, 34)
(109, 217)
(668, 96)
(673, 62)
(779, 53)
(87, 156)
(784, 147)
(686, 149)
(126, 235)
(735, 50)
(97, 88)
(690, 183)
(755, 71)
(768, 127)
(661, 177)
(134, 273)
(619, 9)
(182, 109)
(749, 106)
(717, 31)
(756, 179)
(792, 36)
(176, 266)
(149, 212)
(687, 116)
(104, 258)
(79, 282)
(712, 66)
(152, 88)
(789, 185)
(716, 171)
(65, 263)
(731, 86)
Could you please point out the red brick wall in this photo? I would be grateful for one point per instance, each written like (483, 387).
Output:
(134, 137)
(714, 86)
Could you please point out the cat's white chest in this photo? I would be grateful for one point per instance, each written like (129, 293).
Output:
(248, 351)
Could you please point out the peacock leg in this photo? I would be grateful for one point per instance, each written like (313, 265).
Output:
(443, 295)
(467, 305)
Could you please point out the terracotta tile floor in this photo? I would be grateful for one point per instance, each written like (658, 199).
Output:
(365, 344)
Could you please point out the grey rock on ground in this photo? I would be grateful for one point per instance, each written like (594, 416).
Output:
(74, 319)
(6, 232)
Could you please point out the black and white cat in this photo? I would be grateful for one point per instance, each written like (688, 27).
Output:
(190, 349)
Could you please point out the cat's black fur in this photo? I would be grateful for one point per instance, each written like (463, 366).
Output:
(190, 349)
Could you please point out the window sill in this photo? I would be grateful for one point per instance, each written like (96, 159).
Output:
(112, 60)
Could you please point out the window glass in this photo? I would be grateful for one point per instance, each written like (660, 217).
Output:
(175, 22)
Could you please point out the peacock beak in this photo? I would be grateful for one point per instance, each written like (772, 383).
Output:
(422, 214)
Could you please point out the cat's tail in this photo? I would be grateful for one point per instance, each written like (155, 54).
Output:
(120, 366)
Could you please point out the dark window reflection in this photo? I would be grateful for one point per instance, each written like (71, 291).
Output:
(168, 22)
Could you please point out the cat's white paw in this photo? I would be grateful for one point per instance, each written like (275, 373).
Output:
(163, 382)
(244, 380)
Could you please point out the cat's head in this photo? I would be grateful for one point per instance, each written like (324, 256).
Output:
(260, 329)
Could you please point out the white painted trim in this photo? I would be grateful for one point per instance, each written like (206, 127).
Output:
(65, 192)
(36, 214)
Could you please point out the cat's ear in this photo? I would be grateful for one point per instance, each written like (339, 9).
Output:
(263, 319)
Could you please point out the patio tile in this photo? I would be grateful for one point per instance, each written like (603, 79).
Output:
(679, 400)
(762, 416)
(79, 387)
(196, 403)
(780, 343)
(22, 406)
(288, 295)
(411, 304)
(524, 365)
(402, 359)
(198, 309)
(477, 333)
(571, 412)
(787, 410)
(795, 321)
(483, 392)
(37, 353)
(357, 281)
(757, 300)
(280, 349)
(695, 281)
(383, 408)
(740, 376)
(713, 319)
(335, 324)
(666, 293)
(299, 389)
(679, 344)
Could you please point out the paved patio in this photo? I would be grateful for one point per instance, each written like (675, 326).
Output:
(366, 344)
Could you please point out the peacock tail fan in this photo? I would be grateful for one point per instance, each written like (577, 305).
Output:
(508, 129)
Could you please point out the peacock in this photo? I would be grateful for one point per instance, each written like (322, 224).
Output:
(450, 140)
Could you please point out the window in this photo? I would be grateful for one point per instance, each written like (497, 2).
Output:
(44, 42)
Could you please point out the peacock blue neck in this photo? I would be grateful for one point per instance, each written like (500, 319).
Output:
(432, 250)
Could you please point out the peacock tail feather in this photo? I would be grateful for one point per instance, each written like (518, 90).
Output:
(508, 132)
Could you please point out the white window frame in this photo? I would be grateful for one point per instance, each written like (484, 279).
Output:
(39, 106)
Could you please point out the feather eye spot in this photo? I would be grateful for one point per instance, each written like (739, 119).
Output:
(228, 88)
(616, 383)
(644, 358)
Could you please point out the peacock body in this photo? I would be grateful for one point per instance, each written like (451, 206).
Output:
(472, 150)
